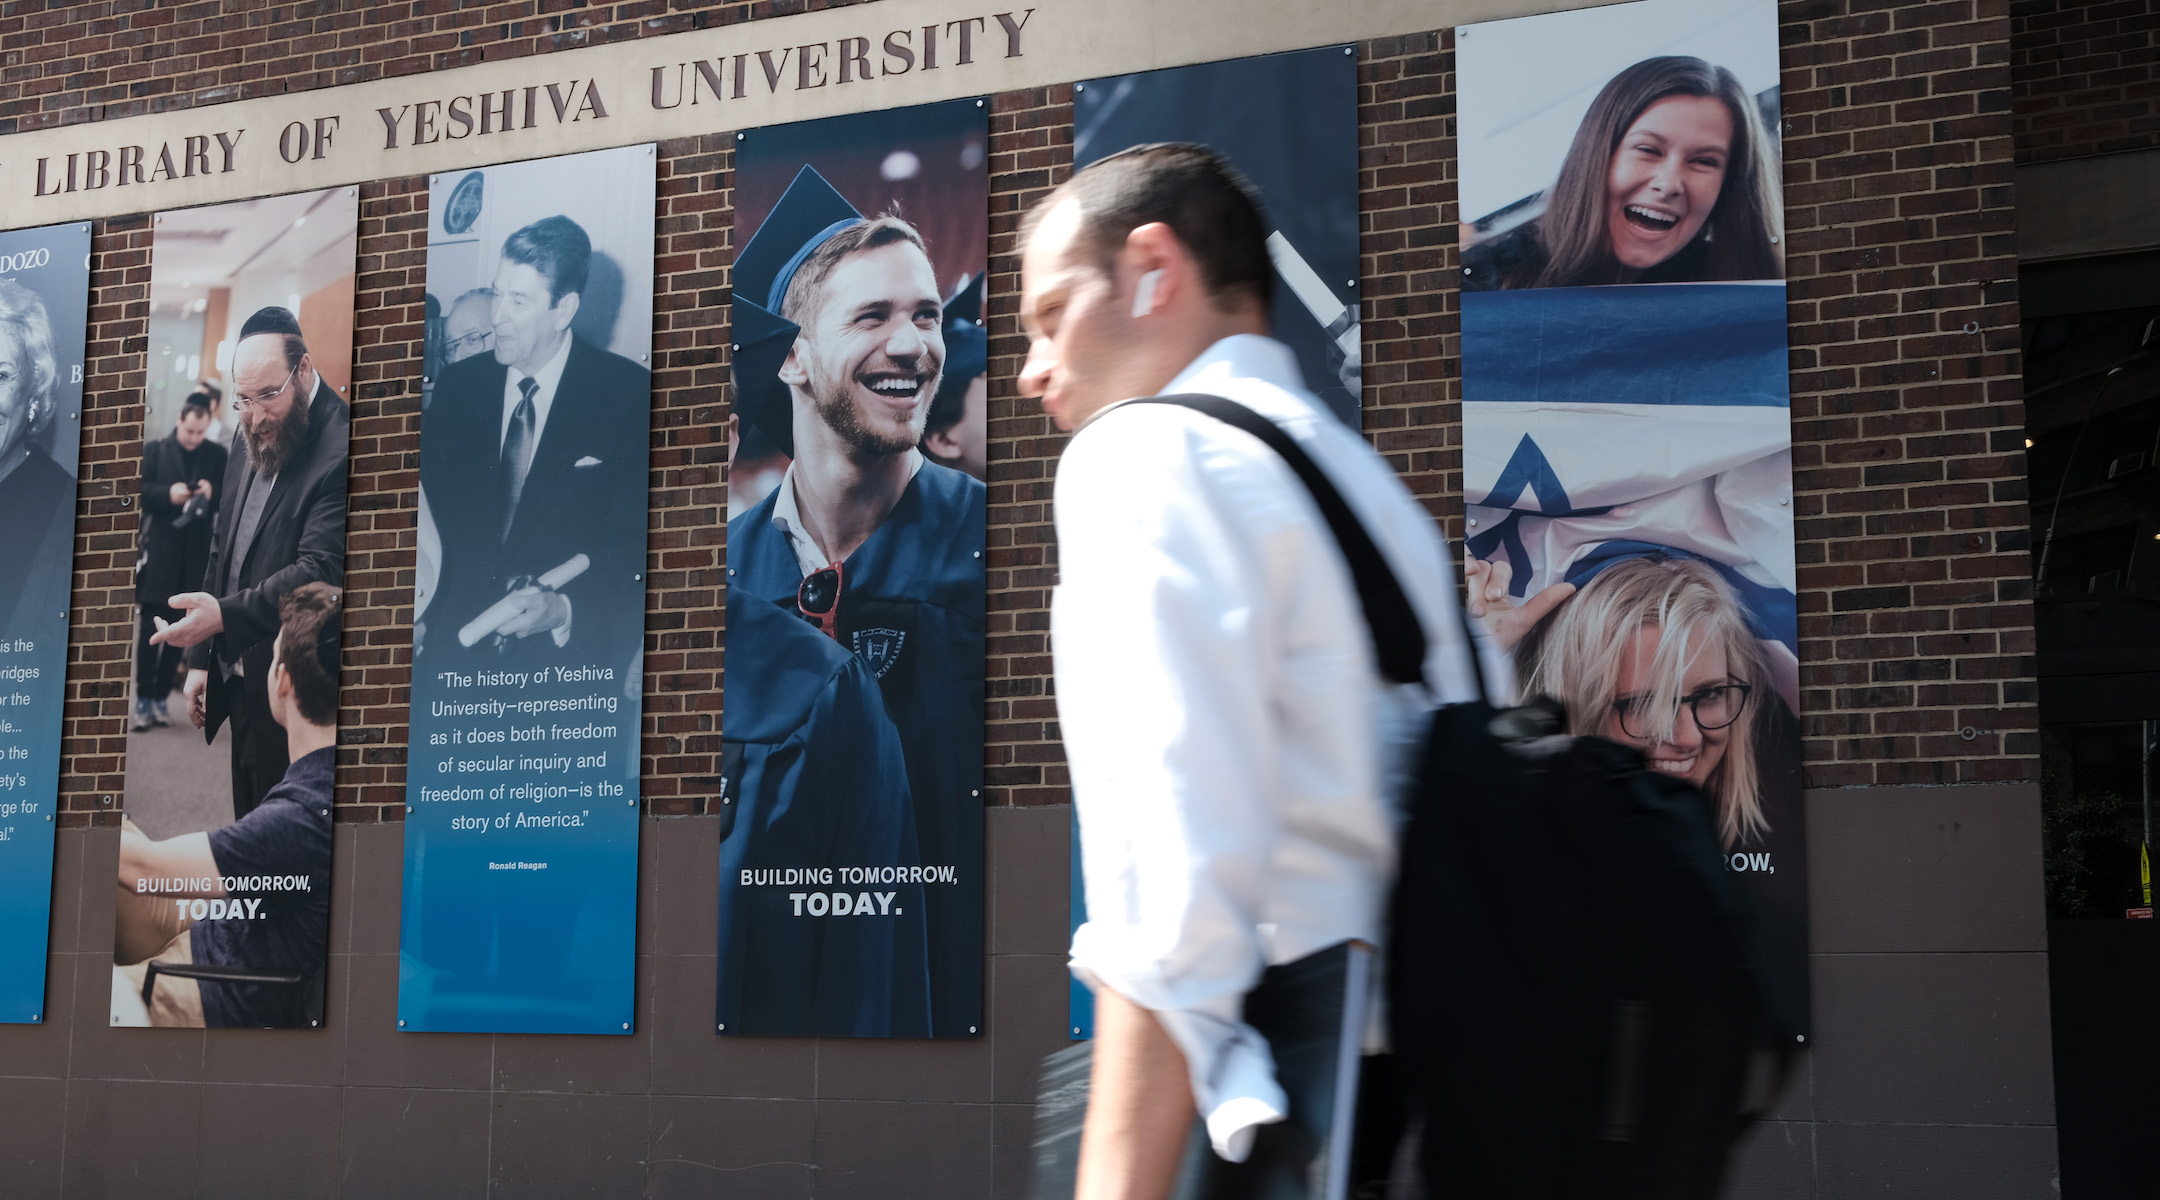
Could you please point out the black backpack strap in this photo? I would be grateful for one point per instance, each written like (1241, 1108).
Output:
(1397, 636)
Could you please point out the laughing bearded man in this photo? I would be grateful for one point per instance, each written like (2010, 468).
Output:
(838, 322)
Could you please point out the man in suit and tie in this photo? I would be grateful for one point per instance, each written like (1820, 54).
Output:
(533, 456)
(280, 524)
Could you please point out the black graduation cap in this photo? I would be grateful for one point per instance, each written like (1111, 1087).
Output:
(808, 215)
(967, 352)
(967, 343)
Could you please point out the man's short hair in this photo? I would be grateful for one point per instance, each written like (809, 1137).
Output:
(806, 291)
(1204, 200)
(197, 402)
(557, 248)
(308, 646)
(277, 319)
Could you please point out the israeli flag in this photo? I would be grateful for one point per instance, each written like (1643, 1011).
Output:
(1612, 422)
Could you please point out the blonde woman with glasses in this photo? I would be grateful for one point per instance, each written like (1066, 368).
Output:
(1656, 653)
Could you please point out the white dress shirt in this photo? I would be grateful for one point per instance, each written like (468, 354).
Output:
(549, 376)
(1236, 757)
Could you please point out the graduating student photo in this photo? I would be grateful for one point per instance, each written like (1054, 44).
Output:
(854, 234)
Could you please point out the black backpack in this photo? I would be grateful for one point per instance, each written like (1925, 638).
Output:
(1570, 997)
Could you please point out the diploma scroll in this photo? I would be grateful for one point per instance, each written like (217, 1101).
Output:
(503, 609)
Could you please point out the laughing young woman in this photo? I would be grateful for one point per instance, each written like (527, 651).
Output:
(1670, 179)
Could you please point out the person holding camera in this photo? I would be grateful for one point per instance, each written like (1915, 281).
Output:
(180, 474)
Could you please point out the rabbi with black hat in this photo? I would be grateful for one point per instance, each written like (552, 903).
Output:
(534, 466)
(280, 524)
(838, 324)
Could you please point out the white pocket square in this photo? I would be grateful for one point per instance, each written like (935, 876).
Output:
(587, 461)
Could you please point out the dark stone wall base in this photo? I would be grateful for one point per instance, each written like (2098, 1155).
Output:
(1930, 1076)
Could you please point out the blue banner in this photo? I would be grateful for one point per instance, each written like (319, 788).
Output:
(44, 298)
(521, 833)
(851, 852)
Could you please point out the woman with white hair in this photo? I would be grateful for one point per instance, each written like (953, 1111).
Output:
(37, 495)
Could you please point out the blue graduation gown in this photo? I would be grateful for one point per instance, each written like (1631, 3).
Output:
(912, 611)
(813, 780)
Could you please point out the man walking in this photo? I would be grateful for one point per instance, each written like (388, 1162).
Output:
(1235, 753)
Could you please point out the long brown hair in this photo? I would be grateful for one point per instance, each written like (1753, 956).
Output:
(1736, 241)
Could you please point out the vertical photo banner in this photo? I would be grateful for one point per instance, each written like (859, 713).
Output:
(521, 827)
(44, 301)
(1627, 425)
(851, 854)
(223, 915)
(1288, 122)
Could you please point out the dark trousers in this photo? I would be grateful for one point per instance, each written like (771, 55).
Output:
(154, 665)
(259, 755)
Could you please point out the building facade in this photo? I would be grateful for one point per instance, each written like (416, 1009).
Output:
(1920, 318)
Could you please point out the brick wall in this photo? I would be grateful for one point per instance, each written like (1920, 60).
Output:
(1909, 471)
(1908, 429)
(2085, 77)
(61, 63)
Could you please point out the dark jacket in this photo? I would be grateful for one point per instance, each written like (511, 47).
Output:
(585, 493)
(912, 610)
(173, 559)
(37, 542)
(301, 540)
(813, 776)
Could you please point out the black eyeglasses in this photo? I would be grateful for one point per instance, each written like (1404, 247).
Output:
(478, 340)
(242, 403)
(818, 599)
(1713, 707)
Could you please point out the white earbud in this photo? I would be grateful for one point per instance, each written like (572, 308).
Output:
(1143, 296)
